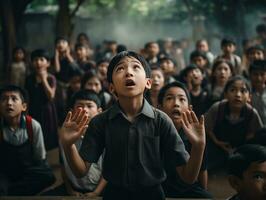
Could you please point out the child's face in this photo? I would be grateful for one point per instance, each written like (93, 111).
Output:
(129, 78)
(258, 79)
(62, 46)
(11, 105)
(200, 62)
(168, 67)
(102, 68)
(157, 79)
(203, 46)
(229, 48)
(81, 53)
(89, 106)
(237, 94)
(75, 83)
(19, 55)
(175, 102)
(195, 77)
(222, 73)
(153, 50)
(93, 84)
(40, 64)
(253, 184)
(255, 55)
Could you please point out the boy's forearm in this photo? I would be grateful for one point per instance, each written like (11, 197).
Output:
(101, 185)
(190, 171)
(76, 163)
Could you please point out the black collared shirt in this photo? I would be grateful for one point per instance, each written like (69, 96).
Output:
(134, 151)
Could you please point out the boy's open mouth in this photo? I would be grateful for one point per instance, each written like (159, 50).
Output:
(176, 113)
(130, 82)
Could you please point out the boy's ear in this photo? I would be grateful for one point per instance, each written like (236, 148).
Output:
(112, 89)
(24, 107)
(100, 110)
(235, 182)
(148, 83)
(249, 98)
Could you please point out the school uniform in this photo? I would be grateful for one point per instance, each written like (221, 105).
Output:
(134, 151)
(23, 169)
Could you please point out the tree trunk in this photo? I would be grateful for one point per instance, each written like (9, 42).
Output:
(8, 30)
(63, 24)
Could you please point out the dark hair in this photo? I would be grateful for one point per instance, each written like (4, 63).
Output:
(102, 60)
(165, 58)
(115, 60)
(233, 79)
(255, 47)
(87, 76)
(40, 53)
(60, 38)
(13, 88)
(198, 53)
(19, 48)
(83, 35)
(148, 44)
(184, 72)
(257, 65)
(89, 95)
(216, 64)
(243, 157)
(79, 45)
(121, 47)
(227, 40)
(166, 87)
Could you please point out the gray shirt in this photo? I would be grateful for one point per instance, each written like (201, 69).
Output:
(19, 136)
(134, 151)
(259, 102)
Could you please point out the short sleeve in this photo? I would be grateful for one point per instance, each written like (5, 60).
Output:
(256, 122)
(173, 145)
(38, 142)
(93, 143)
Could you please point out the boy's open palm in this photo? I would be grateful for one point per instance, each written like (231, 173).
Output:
(194, 128)
(73, 126)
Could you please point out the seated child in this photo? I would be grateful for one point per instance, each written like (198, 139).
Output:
(174, 99)
(231, 122)
(23, 169)
(91, 184)
(247, 172)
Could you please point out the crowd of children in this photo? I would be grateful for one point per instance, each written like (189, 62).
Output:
(132, 125)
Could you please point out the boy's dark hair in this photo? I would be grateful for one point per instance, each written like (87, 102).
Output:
(166, 87)
(243, 157)
(184, 72)
(40, 53)
(59, 38)
(13, 88)
(121, 47)
(233, 79)
(102, 60)
(165, 58)
(18, 48)
(122, 55)
(255, 47)
(89, 95)
(257, 65)
(198, 53)
(148, 44)
(227, 40)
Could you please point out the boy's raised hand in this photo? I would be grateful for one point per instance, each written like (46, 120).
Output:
(194, 128)
(73, 126)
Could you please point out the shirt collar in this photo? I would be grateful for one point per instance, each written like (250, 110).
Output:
(146, 110)
(22, 122)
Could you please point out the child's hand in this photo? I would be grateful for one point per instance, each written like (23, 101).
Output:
(56, 53)
(194, 128)
(73, 126)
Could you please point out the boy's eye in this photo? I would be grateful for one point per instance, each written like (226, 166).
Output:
(258, 177)
(119, 69)
(136, 66)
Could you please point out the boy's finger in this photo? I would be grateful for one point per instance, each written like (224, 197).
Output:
(202, 120)
(68, 117)
(76, 113)
(82, 113)
(185, 119)
(194, 117)
(189, 117)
